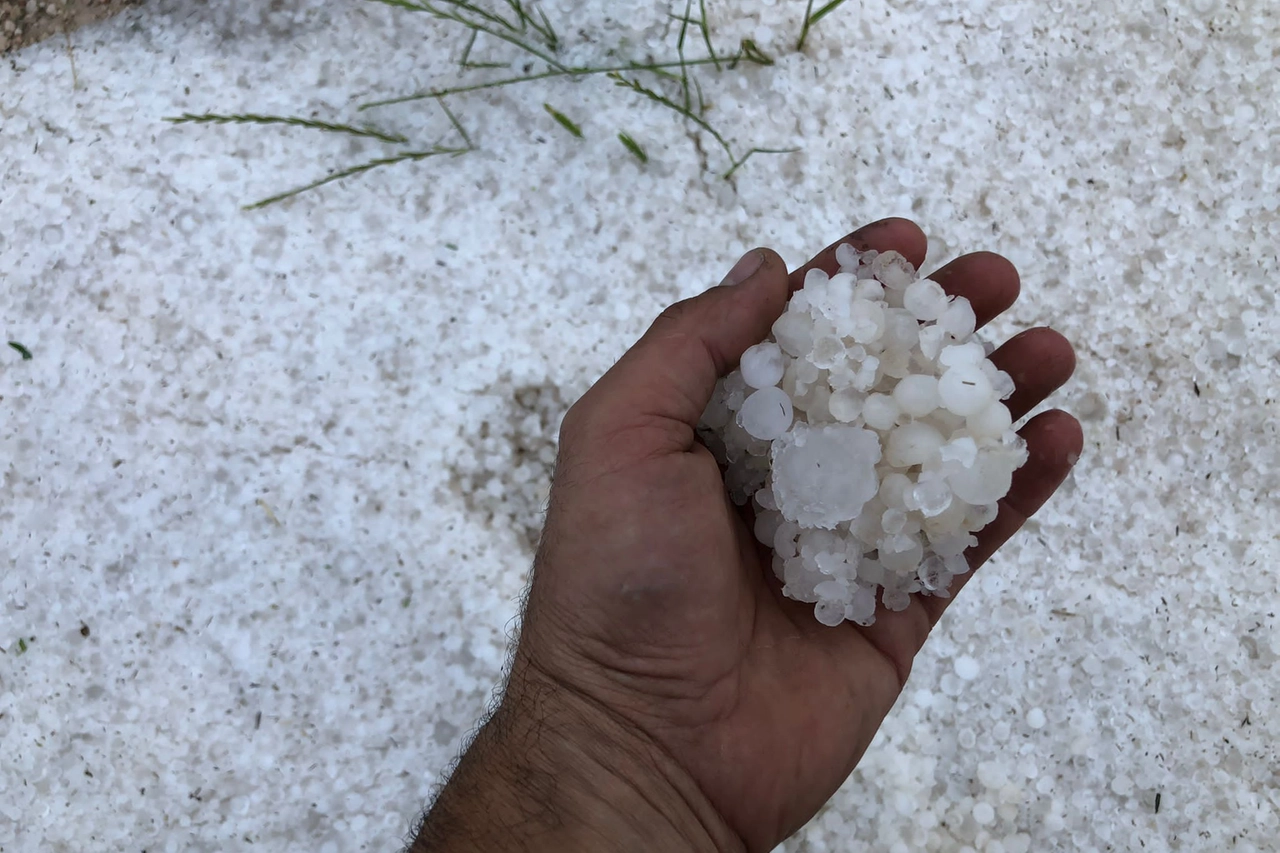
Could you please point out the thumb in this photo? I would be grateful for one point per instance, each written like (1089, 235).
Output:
(658, 390)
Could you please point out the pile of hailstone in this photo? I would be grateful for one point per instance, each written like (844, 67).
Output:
(869, 433)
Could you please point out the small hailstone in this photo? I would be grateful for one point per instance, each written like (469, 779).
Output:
(958, 319)
(845, 405)
(912, 444)
(992, 421)
(925, 299)
(880, 411)
(958, 355)
(965, 390)
(792, 331)
(917, 395)
(766, 414)
(869, 436)
(762, 365)
(847, 257)
(1036, 718)
(967, 668)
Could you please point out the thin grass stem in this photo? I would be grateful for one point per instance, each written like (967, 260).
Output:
(405, 157)
(291, 121)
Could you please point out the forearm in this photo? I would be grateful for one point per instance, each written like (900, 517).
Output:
(547, 774)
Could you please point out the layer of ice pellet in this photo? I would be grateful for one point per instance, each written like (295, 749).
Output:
(1126, 638)
(869, 433)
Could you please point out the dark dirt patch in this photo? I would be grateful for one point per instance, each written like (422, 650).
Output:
(24, 22)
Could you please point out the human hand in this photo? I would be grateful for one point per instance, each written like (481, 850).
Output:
(664, 694)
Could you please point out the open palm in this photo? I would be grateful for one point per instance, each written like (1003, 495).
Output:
(652, 599)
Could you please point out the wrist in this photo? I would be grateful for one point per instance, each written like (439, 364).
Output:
(554, 770)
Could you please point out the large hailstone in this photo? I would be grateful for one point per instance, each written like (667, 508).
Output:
(869, 434)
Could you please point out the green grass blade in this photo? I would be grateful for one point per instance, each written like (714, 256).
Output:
(563, 120)
(21, 350)
(408, 156)
(291, 121)
(634, 147)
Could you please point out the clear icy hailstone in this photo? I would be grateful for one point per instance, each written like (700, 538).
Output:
(847, 257)
(830, 611)
(933, 573)
(828, 351)
(917, 395)
(893, 270)
(925, 299)
(965, 390)
(766, 414)
(893, 521)
(762, 365)
(931, 496)
(823, 476)
(896, 600)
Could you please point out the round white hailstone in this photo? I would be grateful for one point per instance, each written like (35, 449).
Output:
(824, 476)
(845, 405)
(766, 414)
(932, 339)
(958, 319)
(847, 256)
(866, 321)
(917, 395)
(912, 444)
(1036, 718)
(984, 814)
(869, 289)
(987, 481)
(962, 355)
(793, 332)
(873, 481)
(901, 331)
(880, 411)
(761, 365)
(893, 490)
(965, 391)
(925, 299)
(967, 668)
(992, 775)
(992, 421)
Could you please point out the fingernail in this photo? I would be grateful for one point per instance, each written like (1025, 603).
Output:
(744, 269)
